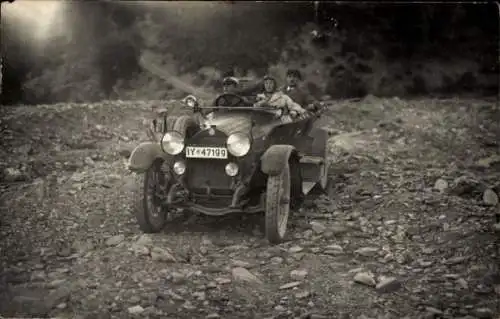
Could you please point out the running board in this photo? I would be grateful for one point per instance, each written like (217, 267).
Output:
(307, 186)
(311, 160)
(312, 168)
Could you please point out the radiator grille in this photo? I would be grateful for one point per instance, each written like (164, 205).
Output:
(203, 172)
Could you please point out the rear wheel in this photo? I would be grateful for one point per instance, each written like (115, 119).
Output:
(150, 209)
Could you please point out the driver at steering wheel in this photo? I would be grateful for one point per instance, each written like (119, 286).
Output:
(230, 91)
(230, 84)
(274, 98)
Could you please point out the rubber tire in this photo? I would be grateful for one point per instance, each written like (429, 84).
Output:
(277, 187)
(141, 205)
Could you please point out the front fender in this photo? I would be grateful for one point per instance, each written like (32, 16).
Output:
(275, 158)
(144, 155)
(183, 124)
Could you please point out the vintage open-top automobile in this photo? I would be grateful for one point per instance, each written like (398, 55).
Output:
(229, 157)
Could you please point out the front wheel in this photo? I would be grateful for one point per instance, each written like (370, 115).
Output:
(278, 205)
(150, 210)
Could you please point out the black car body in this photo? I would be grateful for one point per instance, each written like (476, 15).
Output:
(230, 157)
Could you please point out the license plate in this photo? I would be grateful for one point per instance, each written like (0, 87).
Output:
(206, 152)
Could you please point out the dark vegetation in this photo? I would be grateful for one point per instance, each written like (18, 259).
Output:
(110, 36)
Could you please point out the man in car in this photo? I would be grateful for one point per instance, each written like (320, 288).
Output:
(294, 90)
(275, 98)
(230, 85)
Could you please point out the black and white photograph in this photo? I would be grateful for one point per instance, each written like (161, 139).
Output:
(249, 159)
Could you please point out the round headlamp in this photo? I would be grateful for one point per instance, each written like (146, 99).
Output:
(231, 169)
(238, 144)
(179, 168)
(172, 143)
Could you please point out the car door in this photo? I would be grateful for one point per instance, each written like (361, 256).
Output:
(285, 133)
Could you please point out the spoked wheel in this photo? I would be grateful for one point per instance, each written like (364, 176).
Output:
(150, 210)
(278, 205)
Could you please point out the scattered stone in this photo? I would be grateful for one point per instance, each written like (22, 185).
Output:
(298, 275)
(140, 250)
(175, 296)
(240, 263)
(213, 316)
(160, 254)
(462, 283)
(466, 186)
(428, 251)
(433, 311)
(280, 308)
(488, 161)
(115, 240)
(188, 305)
(490, 198)
(337, 229)
(276, 260)
(388, 284)
(302, 294)
(307, 234)
(89, 161)
(455, 260)
(441, 185)
(496, 228)
(134, 299)
(57, 296)
(211, 285)
(13, 175)
(200, 295)
(177, 277)
(243, 275)
(290, 285)
(365, 278)
(223, 281)
(424, 264)
(317, 227)
(62, 306)
(144, 240)
(367, 251)
(335, 248)
(497, 289)
(484, 313)
(295, 249)
(56, 283)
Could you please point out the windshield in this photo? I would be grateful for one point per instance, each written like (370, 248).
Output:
(235, 115)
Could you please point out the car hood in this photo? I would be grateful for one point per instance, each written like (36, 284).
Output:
(231, 123)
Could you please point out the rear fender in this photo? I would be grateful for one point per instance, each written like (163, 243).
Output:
(144, 155)
(275, 159)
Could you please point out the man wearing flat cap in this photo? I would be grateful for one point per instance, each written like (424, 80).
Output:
(294, 90)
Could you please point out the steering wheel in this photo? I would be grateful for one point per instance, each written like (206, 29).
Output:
(229, 99)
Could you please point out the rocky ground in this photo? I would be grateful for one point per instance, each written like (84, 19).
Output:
(406, 232)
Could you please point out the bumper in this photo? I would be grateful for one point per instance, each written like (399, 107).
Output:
(209, 204)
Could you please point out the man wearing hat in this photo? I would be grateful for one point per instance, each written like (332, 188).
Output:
(230, 85)
(293, 89)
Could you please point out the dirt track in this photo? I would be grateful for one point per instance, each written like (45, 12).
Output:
(71, 248)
